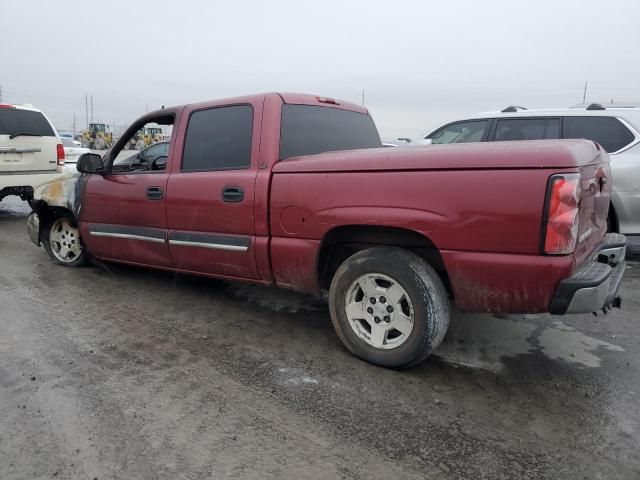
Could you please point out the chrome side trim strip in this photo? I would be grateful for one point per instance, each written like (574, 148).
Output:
(127, 236)
(218, 246)
(29, 172)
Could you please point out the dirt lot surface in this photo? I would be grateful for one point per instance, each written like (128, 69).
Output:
(123, 373)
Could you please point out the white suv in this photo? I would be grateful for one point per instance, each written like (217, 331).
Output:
(30, 151)
(615, 128)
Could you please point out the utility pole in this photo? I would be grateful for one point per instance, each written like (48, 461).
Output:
(86, 109)
(584, 95)
(363, 98)
(91, 108)
(74, 124)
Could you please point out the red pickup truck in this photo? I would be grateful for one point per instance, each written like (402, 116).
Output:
(295, 191)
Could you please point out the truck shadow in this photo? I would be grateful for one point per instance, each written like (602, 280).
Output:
(491, 377)
(474, 341)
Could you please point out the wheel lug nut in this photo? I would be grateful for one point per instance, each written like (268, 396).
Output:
(372, 300)
(389, 308)
(383, 300)
(387, 318)
(376, 319)
(370, 310)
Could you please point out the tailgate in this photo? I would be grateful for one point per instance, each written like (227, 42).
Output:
(595, 197)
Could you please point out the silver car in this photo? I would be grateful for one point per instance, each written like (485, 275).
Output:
(614, 127)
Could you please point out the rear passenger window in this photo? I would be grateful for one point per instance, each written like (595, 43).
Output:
(219, 139)
(460, 132)
(607, 131)
(527, 129)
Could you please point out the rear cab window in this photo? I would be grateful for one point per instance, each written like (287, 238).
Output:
(461, 132)
(609, 132)
(310, 130)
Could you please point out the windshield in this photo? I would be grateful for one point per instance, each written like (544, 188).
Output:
(27, 122)
(309, 130)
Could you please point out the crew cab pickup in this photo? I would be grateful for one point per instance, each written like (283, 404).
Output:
(295, 190)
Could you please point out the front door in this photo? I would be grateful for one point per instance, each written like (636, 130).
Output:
(124, 218)
(123, 214)
(210, 193)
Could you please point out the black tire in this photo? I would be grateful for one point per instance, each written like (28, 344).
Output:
(422, 285)
(45, 236)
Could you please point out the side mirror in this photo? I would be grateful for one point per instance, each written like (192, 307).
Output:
(426, 141)
(159, 163)
(90, 163)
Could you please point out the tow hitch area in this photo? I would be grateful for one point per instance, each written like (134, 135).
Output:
(594, 286)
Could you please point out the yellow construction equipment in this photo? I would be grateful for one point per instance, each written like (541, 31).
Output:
(146, 137)
(97, 136)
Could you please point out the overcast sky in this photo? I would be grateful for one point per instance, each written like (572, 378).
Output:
(421, 63)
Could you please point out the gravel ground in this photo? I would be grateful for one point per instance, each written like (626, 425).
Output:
(126, 373)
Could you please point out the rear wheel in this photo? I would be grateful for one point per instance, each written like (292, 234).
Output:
(389, 307)
(61, 240)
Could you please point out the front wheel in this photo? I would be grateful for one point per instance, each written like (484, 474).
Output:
(389, 307)
(61, 240)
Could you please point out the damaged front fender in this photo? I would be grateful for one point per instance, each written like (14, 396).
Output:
(63, 194)
(65, 191)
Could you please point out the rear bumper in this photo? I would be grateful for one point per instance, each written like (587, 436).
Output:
(594, 286)
(26, 179)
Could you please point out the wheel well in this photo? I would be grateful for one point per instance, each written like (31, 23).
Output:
(342, 242)
(47, 214)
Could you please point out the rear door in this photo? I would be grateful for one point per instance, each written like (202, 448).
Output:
(211, 190)
(28, 142)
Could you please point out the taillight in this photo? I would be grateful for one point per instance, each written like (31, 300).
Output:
(560, 222)
(60, 150)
